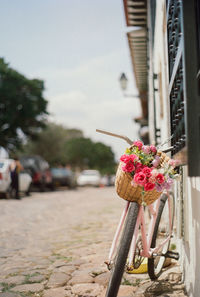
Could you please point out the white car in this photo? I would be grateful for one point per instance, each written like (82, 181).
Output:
(89, 177)
(5, 179)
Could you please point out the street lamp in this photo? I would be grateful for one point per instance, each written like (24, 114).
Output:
(123, 81)
(123, 84)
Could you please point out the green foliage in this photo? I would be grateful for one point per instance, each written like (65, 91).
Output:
(145, 158)
(82, 152)
(50, 143)
(59, 145)
(103, 158)
(22, 106)
(78, 152)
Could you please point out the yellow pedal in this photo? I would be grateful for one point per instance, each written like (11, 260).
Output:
(142, 269)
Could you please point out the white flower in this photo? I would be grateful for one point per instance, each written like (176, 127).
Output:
(177, 177)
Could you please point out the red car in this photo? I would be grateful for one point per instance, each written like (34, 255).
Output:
(39, 170)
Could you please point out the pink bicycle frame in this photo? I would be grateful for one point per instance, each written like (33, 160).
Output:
(146, 238)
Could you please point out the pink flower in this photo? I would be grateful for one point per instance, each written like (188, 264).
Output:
(160, 178)
(170, 181)
(146, 149)
(138, 143)
(166, 186)
(140, 178)
(125, 158)
(156, 161)
(152, 179)
(153, 149)
(147, 171)
(133, 157)
(159, 188)
(129, 167)
(149, 186)
(173, 163)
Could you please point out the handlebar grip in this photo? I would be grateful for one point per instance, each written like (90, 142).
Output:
(169, 149)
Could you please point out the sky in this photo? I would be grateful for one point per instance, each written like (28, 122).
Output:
(79, 48)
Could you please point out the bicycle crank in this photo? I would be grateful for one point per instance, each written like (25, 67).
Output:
(137, 259)
(168, 254)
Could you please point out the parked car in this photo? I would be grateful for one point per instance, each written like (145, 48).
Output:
(63, 177)
(39, 170)
(89, 177)
(5, 179)
(108, 180)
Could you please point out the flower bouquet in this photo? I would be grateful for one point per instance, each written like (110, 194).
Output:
(144, 173)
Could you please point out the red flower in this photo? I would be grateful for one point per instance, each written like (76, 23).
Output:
(125, 158)
(147, 171)
(138, 167)
(129, 167)
(140, 178)
(138, 143)
(149, 186)
(160, 178)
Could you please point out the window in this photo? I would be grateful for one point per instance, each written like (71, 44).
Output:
(176, 77)
(184, 97)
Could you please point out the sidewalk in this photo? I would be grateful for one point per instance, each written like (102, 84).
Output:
(56, 243)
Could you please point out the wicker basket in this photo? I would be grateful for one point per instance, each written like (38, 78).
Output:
(134, 194)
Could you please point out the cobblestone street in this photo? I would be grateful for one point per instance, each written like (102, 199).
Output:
(54, 245)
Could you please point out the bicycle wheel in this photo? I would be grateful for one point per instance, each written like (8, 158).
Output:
(122, 253)
(161, 232)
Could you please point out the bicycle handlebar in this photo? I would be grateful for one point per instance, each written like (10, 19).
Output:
(128, 139)
(116, 135)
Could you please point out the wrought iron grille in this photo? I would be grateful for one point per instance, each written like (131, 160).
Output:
(176, 74)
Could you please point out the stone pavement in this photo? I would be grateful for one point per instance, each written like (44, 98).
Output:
(55, 244)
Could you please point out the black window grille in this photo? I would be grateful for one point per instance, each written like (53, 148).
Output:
(176, 76)
(183, 59)
(197, 8)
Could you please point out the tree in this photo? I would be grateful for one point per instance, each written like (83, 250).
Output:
(60, 145)
(79, 151)
(84, 153)
(22, 107)
(50, 143)
(103, 158)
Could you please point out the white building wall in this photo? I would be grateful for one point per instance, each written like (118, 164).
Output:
(187, 203)
(161, 69)
(190, 243)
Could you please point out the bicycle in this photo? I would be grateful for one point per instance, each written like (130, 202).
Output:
(133, 247)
